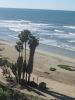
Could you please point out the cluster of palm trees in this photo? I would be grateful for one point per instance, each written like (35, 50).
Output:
(22, 69)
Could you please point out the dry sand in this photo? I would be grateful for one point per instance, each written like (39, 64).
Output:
(61, 82)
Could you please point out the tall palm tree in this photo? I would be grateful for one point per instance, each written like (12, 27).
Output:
(19, 65)
(33, 43)
(24, 37)
(19, 47)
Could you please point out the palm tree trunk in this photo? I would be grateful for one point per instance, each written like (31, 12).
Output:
(26, 76)
(22, 53)
(25, 61)
(30, 63)
(25, 50)
(29, 77)
(23, 75)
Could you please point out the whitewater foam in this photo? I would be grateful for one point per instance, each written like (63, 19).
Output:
(59, 31)
(42, 31)
(57, 44)
(71, 27)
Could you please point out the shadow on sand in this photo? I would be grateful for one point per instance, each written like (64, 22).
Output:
(32, 86)
(59, 96)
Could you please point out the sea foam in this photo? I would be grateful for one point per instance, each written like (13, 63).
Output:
(48, 34)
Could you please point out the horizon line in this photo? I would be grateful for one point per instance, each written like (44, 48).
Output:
(35, 9)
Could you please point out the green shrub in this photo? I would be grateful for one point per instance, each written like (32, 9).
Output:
(67, 67)
(4, 95)
(10, 79)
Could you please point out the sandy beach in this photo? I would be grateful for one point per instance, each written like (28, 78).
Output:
(60, 81)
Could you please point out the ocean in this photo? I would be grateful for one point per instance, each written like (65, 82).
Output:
(55, 29)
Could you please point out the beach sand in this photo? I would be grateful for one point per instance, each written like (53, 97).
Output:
(60, 82)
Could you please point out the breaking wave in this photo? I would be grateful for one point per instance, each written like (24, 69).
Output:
(48, 34)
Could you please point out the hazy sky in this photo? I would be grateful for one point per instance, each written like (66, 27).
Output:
(39, 4)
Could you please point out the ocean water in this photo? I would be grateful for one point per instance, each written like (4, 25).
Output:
(55, 29)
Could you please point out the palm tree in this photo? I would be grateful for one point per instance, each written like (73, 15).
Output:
(24, 37)
(19, 65)
(33, 43)
(19, 47)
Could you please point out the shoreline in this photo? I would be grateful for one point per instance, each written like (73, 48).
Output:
(56, 56)
(41, 51)
(57, 51)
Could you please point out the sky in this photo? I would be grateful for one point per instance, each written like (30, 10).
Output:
(39, 4)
